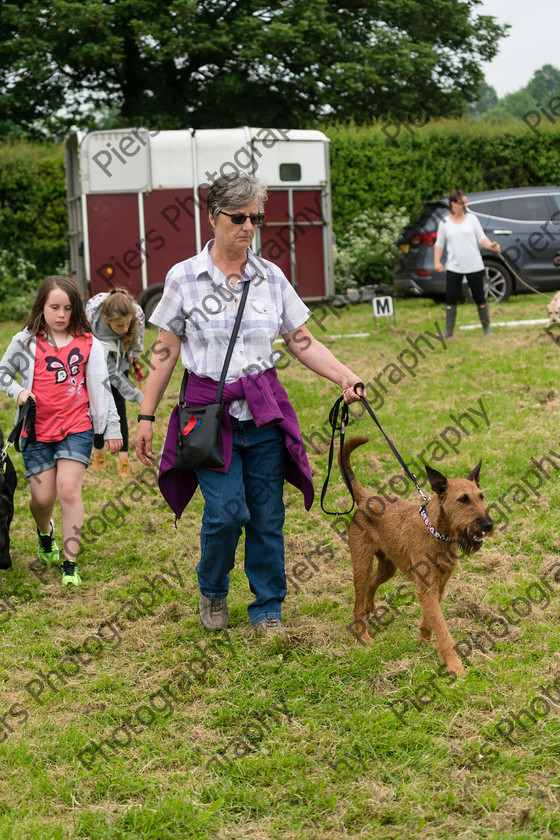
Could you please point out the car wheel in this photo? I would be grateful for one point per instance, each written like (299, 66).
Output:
(151, 304)
(497, 283)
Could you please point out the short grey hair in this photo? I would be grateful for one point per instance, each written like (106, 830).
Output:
(234, 191)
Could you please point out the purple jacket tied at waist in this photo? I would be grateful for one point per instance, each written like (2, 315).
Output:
(268, 403)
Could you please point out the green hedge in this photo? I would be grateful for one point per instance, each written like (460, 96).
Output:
(33, 221)
(369, 170)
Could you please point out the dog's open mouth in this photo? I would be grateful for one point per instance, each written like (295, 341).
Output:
(471, 542)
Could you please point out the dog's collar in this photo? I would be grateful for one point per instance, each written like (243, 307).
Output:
(430, 527)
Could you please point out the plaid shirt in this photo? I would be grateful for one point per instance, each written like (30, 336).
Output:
(199, 305)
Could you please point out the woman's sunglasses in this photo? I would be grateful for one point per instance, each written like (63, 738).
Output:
(239, 218)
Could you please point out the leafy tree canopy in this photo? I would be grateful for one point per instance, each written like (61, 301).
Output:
(486, 99)
(218, 63)
(544, 85)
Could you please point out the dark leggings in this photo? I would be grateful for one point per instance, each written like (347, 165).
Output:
(455, 281)
(120, 403)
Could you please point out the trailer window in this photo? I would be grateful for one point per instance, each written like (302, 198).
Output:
(290, 172)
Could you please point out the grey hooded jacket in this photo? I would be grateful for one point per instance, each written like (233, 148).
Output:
(118, 360)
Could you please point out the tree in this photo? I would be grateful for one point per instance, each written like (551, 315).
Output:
(219, 63)
(486, 99)
(518, 103)
(545, 84)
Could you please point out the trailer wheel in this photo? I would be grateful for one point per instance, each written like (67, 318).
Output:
(151, 304)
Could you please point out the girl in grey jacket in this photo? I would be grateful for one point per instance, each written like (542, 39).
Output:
(118, 321)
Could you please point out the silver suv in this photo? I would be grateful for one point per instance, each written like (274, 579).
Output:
(526, 223)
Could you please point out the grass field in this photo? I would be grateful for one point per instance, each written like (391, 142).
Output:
(123, 719)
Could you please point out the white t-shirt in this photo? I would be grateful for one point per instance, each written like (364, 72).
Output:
(462, 240)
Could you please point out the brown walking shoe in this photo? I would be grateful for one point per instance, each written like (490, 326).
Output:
(123, 468)
(98, 462)
(213, 612)
(270, 627)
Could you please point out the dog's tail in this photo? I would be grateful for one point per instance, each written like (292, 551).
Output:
(360, 494)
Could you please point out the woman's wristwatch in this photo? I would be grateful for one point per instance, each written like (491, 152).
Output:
(150, 417)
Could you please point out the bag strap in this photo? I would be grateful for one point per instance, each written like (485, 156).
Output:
(232, 340)
(183, 390)
(228, 354)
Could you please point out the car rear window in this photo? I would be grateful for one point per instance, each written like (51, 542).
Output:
(433, 212)
(486, 208)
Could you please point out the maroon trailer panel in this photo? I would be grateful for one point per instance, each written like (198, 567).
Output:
(275, 232)
(310, 263)
(308, 232)
(170, 230)
(114, 242)
(308, 207)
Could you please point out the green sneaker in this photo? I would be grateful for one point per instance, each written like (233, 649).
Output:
(70, 573)
(47, 548)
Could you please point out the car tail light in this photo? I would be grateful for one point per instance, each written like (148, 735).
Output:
(426, 238)
(421, 272)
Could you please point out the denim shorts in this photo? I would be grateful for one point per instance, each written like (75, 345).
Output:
(41, 456)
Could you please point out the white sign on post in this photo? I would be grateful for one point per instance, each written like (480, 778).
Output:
(382, 306)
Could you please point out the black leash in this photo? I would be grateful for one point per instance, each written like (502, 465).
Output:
(333, 418)
(28, 411)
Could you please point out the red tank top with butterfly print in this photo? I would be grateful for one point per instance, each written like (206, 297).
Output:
(59, 386)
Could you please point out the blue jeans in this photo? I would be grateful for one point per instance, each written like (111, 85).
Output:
(250, 496)
(41, 456)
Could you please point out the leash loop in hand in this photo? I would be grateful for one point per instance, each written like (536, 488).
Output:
(340, 406)
(28, 411)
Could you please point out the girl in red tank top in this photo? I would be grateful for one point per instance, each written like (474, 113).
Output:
(56, 346)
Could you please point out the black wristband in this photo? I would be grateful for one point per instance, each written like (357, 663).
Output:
(150, 417)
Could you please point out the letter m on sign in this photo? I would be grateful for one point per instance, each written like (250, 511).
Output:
(382, 306)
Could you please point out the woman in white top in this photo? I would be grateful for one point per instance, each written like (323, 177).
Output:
(462, 233)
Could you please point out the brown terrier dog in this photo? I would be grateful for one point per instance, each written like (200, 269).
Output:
(422, 546)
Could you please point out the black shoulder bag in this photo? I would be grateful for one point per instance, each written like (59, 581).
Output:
(199, 441)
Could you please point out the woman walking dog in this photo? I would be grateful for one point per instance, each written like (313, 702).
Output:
(462, 233)
(260, 433)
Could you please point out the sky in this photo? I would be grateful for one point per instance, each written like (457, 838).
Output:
(533, 40)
